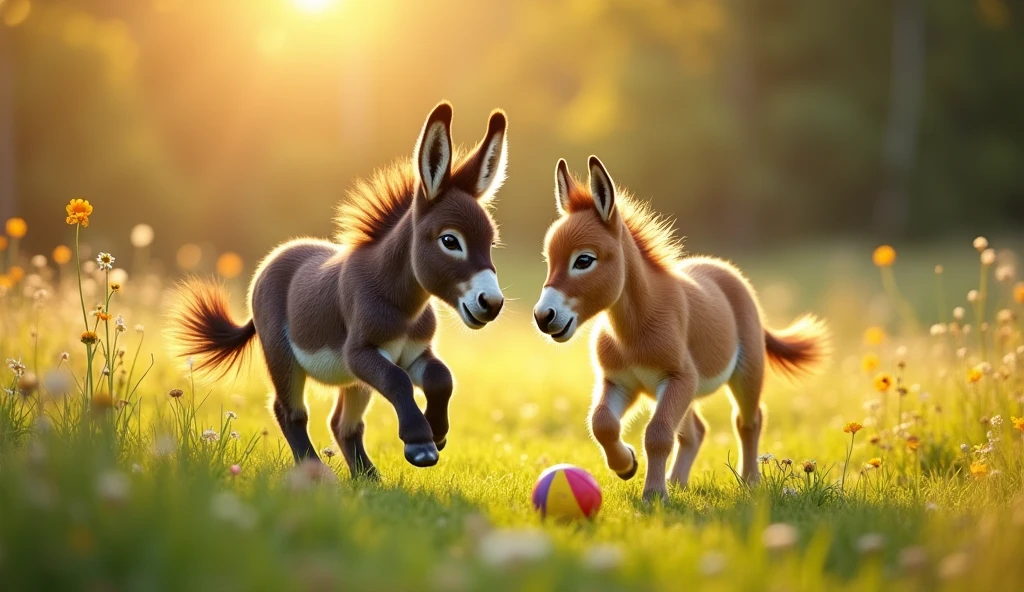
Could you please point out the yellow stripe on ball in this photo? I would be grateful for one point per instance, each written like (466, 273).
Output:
(561, 502)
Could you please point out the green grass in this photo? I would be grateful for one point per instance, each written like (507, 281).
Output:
(134, 498)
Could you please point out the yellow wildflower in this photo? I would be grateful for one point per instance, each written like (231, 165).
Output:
(102, 401)
(1018, 292)
(62, 255)
(89, 337)
(884, 256)
(1018, 423)
(979, 469)
(875, 462)
(16, 227)
(974, 375)
(103, 316)
(79, 211)
(853, 427)
(5, 282)
(115, 287)
(883, 382)
(874, 335)
(810, 466)
(869, 363)
(913, 443)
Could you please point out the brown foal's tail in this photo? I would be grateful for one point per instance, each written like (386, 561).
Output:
(202, 327)
(799, 348)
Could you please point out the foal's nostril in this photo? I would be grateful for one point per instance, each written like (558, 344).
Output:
(481, 299)
(543, 322)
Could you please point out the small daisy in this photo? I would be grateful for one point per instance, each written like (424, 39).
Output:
(234, 435)
(210, 436)
(105, 261)
(328, 452)
(16, 366)
(231, 415)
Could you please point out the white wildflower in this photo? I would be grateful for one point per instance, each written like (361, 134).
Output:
(509, 548)
(779, 537)
(604, 557)
(112, 486)
(105, 261)
(210, 435)
(231, 415)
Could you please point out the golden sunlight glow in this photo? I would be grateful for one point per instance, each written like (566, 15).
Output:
(312, 6)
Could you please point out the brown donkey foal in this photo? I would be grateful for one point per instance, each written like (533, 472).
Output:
(675, 328)
(356, 313)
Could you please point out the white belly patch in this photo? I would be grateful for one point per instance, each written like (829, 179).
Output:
(652, 382)
(324, 365)
(708, 385)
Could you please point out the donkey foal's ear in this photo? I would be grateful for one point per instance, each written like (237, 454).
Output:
(484, 172)
(433, 155)
(563, 184)
(602, 188)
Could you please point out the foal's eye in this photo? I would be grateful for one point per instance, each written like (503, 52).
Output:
(584, 261)
(450, 242)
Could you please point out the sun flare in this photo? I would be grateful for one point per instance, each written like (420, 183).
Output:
(313, 6)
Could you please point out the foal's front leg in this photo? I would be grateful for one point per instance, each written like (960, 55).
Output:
(611, 403)
(391, 381)
(674, 396)
(430, 374)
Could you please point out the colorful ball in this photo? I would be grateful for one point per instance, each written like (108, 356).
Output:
(566, 492)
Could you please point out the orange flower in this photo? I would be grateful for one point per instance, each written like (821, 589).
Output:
(869, 363)
(89, 337)
(875, 462)
(229, 265)
(62, 255)
(974, 375)
(103, 316)
(3, 244)
(16, 227)
(884, 256)
(1018, 292)
(115, 287)
(102, 401)
(79, 211)
(5, 282)
(913, 443)
(874, 335)
(853, 427)
(1018, 423)
(16, 274)
(979, 469)
(883, 382)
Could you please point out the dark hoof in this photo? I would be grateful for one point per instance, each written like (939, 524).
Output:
(421, 455)
(440, 445)
(626, 476)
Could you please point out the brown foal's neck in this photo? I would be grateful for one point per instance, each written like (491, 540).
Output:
(632, 312)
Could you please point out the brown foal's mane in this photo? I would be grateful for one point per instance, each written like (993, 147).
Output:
(374, 206)
(651, 231)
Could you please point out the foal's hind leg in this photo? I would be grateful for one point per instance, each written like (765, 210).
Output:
(348, 426)
(289, 381)
(745, 389)
(690, 436)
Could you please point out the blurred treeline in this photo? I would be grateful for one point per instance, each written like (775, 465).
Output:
(239, 123)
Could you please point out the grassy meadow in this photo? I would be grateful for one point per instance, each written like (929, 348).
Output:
(172, 481)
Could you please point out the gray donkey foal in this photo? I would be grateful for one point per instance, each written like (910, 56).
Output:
(357, 312)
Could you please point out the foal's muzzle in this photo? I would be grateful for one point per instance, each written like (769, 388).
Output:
(482, 300)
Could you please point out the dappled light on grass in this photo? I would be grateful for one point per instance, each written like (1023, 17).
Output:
(903, 462)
